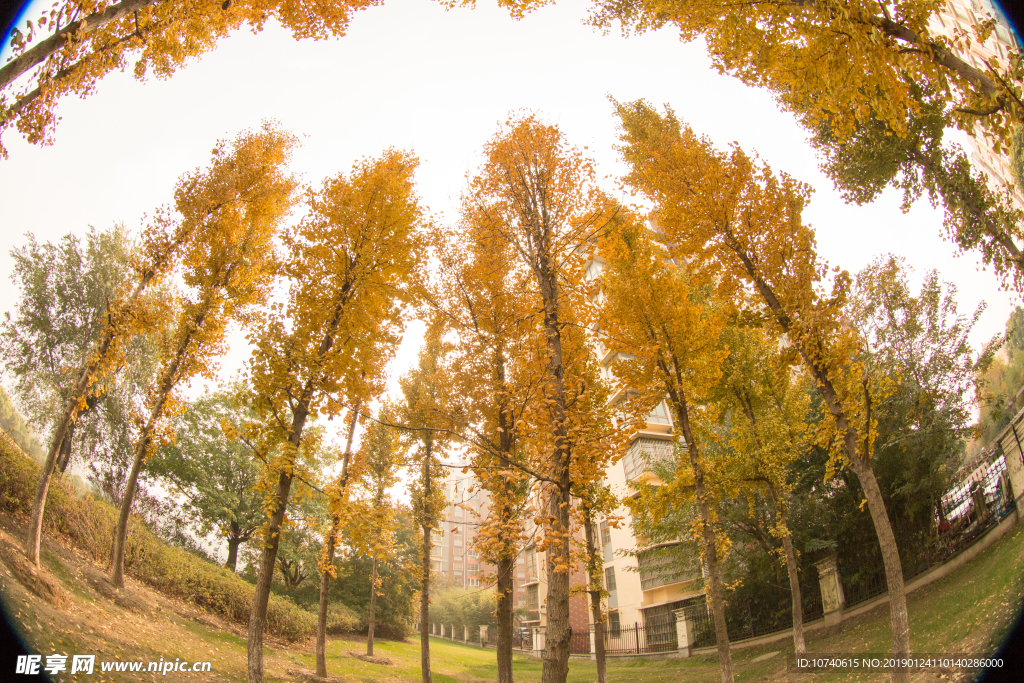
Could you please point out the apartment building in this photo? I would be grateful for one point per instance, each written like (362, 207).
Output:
(643, 585)
(453, 556)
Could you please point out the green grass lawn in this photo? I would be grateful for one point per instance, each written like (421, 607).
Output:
(968, 611)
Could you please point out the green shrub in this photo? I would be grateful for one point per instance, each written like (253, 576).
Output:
(341, 620)
(89, 523)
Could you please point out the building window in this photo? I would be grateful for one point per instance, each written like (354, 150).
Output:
(645, 453)
(532, 597)
(606, 534)
(531, 563)
(660, 415)
(473, 568)
(473, 582)
(613, 624)
(609, 578)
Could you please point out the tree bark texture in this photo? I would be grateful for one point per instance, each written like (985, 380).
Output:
(425, 569)
(261, 597)
(504, 613)
(799, 646)
(325, 577)
(594, 565)
(373, 608)
(232, 562)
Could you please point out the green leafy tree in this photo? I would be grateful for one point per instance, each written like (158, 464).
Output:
(215, 477)
(66, 289)
(873, 157)
(921, 342)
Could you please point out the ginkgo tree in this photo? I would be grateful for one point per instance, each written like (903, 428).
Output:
(488, 308)
(859, 71)
(424, 417)
(733, 213)
(353, 264)
(373, 532)
(664, 321)
(337, 503)
(764, 411)
(227, 273)
(73, 44)
(536, 193)
(245, 174)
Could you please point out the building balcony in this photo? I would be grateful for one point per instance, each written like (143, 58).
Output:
(659, 568)
(644, 455)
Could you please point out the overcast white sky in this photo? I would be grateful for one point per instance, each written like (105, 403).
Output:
(411, 75)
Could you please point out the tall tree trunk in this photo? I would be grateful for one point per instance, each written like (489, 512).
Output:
(167, 383)
(714, 580)
(261, 597)
(504, 614)
(779, 504)
(594, 565)
(373, 608)
(64, 456)
(557, 634)
(506, 563)
(425, 568)
(325, 576)
(861, 467)
(233, 543)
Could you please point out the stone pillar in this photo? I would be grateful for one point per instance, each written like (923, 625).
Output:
(465, 634)
(593, 642)
(538, 639)
(832, 599)
(483, 636)
(684, 631)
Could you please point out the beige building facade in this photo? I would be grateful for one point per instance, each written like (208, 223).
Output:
(959, 17)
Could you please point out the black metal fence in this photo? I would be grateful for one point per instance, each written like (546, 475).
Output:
(970, 509)
(522, 638)
(579, 642)
(657, 636)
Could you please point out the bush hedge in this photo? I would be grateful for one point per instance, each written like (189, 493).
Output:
(89, 524)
